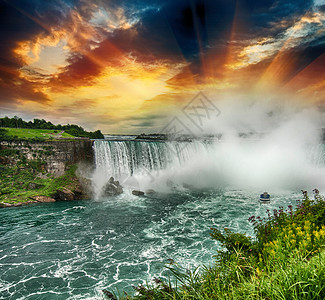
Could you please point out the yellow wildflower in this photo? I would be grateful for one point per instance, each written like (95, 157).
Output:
(300, 233)
(260, 257)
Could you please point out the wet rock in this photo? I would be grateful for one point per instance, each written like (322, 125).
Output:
(112, 188)
(4, 204)
(120, 189)
(43, 199)
(84, 188)
(188, 186)
(81, 188)
(16, 204)
(29, 202)
(64, 194)
(171, 184)
(81, 193)
(137, 193)
(150, 192)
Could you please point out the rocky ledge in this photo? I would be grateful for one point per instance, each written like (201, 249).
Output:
(78, 190)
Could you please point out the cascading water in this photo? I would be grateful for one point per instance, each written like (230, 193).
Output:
(239, 163)
(141, 160)
(116, 158)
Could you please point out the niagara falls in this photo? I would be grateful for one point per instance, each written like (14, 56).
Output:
(162, 150)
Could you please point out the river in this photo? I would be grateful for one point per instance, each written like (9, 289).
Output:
(74, 250)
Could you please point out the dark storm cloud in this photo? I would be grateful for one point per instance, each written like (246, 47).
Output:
(22, 21)
(168, 30)
(172, 31)
(83, 69)
(14, 27)
(305, 55)
(195, 25)
(199, 24)
(14, 88)
(261, 16)
(175, 30)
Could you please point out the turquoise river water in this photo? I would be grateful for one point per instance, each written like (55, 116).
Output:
(74, 250)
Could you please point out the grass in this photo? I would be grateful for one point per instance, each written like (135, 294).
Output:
(16, 181)
(22, 179)
(286, 260)
(26, 133)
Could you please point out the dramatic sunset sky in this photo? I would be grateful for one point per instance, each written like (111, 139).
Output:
(124, 66)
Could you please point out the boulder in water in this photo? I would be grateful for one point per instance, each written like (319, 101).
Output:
(171, 184)
(150, 192)
(112, 188)
(64, 194)
(137, 193)
(188, 186)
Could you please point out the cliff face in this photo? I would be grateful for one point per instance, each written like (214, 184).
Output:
(56, 155)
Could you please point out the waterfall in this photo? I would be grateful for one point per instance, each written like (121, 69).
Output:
(236, 163)
(127, 160)
(127, 157)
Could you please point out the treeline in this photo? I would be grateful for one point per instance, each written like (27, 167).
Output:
(72, 129)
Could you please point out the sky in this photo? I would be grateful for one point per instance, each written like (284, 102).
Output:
(129, 66)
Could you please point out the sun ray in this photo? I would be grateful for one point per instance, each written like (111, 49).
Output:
(317, 63)
(198, 30)
(309, 81)
(42, 24)
(285, 61)
(219, 62)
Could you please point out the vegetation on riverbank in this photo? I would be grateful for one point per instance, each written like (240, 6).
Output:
(16, 128)
(24, 134)
(24, 181)
(286, 260)
(27, 181)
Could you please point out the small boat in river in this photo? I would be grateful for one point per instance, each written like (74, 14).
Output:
(265, 198)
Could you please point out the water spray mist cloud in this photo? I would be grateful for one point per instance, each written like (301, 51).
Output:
(281, 150)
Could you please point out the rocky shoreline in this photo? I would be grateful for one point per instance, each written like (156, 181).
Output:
(79, 190)
(43, 172)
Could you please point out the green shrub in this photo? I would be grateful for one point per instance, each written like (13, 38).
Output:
(286, 260)
(9, 152)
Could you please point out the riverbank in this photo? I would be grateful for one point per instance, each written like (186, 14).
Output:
(286, 260)
(28, 183)
(33, 171)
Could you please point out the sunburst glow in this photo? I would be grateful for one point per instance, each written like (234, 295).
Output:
(112, 66)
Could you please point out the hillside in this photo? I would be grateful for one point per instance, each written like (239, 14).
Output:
(16, 127)
(28, 133)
